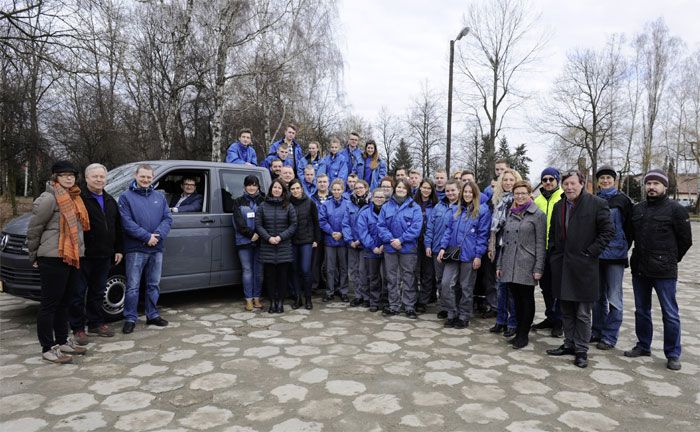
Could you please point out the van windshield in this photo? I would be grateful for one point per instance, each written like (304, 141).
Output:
(119, 178)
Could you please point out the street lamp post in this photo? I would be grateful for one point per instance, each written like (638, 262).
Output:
(448, 149)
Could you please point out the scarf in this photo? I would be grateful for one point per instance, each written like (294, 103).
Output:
(606, 194)
(73, 211)
(376, 208)
(548, 194)
(400, 200)
(359, 201)
(520, 209)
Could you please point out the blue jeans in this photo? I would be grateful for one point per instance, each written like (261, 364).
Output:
(303, 278)
(666, 292)
(150, 265)
(505, 313)
(252, 271)
(607, 311)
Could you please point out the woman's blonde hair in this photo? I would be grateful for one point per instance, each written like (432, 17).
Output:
(498, 189)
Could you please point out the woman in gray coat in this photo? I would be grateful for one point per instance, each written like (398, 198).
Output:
(276, 223)
(521, 261)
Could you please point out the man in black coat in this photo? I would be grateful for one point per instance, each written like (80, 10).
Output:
(579, 232)
(662, 236)
(103, 248)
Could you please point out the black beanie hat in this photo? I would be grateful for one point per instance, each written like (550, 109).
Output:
(606, 170)
(63, 166)
(251, 180)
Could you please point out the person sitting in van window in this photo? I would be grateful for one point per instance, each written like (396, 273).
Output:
(189, 201)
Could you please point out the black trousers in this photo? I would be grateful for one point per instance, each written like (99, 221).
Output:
(524, 296)
(276, 280)
(86, 303)
(57, 282)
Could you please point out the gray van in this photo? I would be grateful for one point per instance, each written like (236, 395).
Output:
(199, 251)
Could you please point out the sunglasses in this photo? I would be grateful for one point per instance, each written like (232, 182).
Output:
(548, 180)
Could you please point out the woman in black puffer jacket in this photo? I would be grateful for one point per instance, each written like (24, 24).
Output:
(276, 222)
(306, 238)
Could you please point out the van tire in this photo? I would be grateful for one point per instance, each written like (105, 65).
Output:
(113, 301)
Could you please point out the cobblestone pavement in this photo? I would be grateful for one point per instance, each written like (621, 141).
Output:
(339, 368)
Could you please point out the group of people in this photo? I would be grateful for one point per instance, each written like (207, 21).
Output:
(338, 222)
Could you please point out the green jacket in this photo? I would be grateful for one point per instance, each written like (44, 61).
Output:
(547, 206)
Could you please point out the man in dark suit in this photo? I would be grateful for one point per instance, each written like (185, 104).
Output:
(579, 232)
(189, 200)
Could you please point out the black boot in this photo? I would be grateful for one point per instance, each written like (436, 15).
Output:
(273, 306)
(297, 303)
(309, 305)
(279, 306)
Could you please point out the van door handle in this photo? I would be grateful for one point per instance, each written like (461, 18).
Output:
(206, 220)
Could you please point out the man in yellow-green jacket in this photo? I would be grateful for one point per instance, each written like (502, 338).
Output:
(550, 193)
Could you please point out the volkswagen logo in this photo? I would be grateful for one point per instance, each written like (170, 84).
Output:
(3, 241)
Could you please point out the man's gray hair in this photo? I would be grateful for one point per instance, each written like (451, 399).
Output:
(94, 166)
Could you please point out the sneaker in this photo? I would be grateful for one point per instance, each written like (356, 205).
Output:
(157, 321)
(673, 364)
(80, 337)
(637, 352)
(510, 331)
(604, 346)
(249, 305)
(389, 312)
(54, 355)
(72, 347)
(102, 330)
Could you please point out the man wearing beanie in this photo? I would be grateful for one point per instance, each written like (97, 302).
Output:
(550, 194)
(662, 236)
(607, 311)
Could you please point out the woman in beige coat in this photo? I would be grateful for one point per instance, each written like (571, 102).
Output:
(55, 243)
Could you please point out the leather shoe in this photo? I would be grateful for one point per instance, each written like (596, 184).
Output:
(637, 352)
(157, 321)
(297, 303)
(459, 324)
(450, 323)
(562, 350)
(544, 324)
(128, 327)
(604, 346)
(442, 314)
(344, 298)
(411, 314)
(673, 364)
(309, 305)
(497, 328)
(356, 302)
(581, 360)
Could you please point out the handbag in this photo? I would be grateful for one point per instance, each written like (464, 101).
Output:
(451, 254)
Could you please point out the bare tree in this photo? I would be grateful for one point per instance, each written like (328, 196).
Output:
(579, 112)
(503, 41)
(387, 132)
(425, 128)
(658, 53)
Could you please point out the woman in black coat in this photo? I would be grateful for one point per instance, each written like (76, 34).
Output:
(306, 238)
(276, 222)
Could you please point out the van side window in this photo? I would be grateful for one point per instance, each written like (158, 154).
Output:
(232, 187)
(177, 183)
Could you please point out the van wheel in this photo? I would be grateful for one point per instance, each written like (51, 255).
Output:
(113, 301)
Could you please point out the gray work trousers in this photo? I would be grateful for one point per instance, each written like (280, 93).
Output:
(577, 320)
(400, 272)
(374, 279)
(336, 266)
(357, 273)
(458, 275)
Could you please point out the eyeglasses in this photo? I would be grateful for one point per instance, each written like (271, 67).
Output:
(548, 180)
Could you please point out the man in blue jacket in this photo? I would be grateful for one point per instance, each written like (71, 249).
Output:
(352, 152)
(146, 223)
(298, 161)
(242, 152)
(189, 201)
(334, 164)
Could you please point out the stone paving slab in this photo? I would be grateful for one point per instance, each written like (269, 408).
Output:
(336, 368)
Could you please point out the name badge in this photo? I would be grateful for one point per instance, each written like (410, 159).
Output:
(251, 215)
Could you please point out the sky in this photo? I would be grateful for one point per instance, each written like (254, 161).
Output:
(391, 47)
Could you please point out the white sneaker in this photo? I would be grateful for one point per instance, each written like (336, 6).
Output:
(54, 355)
(72, 347)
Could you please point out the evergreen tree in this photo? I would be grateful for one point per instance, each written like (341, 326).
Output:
(402, 157)
(518, 160)
(484, 172)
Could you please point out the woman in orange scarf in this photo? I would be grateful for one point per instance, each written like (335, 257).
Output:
(55, 243)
